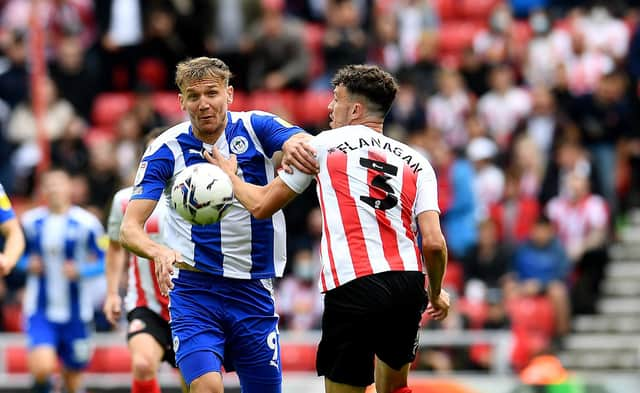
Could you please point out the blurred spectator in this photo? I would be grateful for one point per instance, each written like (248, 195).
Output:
(344, 42)
(73, 17)
(6, 175)
(456, 196)
(160, 50)
(475, 72)
(489, 179)
(69, 152)
(297, 298)
(586, 66)
(279, 59)
(423, 71)
(604, 33)
(544, 123)
(447, 109)
(121, 31)
(568, 157)
(524, 8)
(528, 162)
(488, 261)
(71, 71)
(414, 18)
(22, 131)
(145, 111)
(496, 44)
(407, 115)
(503, 106)
(515, 214)
(581, 219)
(541, 266)
(385, 49)
(129, 144)
(102, 176)
(547, 50)
(603, 118)
(14, 79)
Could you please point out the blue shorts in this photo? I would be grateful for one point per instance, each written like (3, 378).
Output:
(217, 321)
(70, 339)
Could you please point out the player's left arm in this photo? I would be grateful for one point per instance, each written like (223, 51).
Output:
(261, 201)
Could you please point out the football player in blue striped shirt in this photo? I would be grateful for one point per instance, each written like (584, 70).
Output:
(221, 302)
(63, 257)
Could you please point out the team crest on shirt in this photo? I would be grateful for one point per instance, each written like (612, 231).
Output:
(239, 144)
(136, 325)
(142, 169)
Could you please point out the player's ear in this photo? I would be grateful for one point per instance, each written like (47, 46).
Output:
(229, 95)
(181, 99)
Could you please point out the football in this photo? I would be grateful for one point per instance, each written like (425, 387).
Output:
(202, 194)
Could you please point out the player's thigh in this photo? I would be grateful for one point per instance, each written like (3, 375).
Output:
(149, 339)
(42, 341)
(397, 327)
(75, 346)
(345, 353)
(253, 348)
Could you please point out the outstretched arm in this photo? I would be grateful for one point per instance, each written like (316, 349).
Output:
(261, 201)
(434, 250)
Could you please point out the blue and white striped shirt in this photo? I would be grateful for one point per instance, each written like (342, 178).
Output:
(57, 238)
(239, 246)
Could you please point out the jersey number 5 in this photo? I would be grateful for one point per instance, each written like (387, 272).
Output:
(379, 182)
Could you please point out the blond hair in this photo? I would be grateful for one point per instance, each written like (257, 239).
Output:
(200, 68)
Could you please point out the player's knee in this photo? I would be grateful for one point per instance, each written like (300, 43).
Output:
(143, 366)
(207, 383)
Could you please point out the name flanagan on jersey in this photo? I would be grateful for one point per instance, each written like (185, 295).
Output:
(414, 164)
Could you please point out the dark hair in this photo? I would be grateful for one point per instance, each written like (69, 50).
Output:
(370, 82)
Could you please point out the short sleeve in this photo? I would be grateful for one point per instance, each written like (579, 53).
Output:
(6, 211)
(116, 214)
(272, 131)
(298, 181)
(426, 191)
(154, 171)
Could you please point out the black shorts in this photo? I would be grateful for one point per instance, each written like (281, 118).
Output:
(374, 315)
(157, 327)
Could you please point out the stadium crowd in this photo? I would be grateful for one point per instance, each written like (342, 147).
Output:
(524, 108)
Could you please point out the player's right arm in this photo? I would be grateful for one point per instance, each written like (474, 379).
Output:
(115, 260)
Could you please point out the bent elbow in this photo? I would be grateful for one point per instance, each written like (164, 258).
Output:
(434, 243)
(260, 213)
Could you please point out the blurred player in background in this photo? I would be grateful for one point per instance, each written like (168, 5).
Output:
(372, 191)
(12, 234)
(221, 305)
(63, 254)
(149, 334)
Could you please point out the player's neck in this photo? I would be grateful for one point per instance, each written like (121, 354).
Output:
(375, 125)
(59, 209)
(211, 137)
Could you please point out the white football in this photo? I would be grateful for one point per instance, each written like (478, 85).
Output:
(202, 194)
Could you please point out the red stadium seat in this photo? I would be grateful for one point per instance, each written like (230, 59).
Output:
(533, 314)
(281, 103)
(98, 135)
(16, 359)
(109, 107)
(312, 109)
(116, 359)
(168, 105)
(455, 36)
(152, 72)
(298, 357)
(446, 9)
(522, 32)
(476, 9)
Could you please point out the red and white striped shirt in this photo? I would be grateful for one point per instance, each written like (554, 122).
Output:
(371, 189)
(143, 289)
